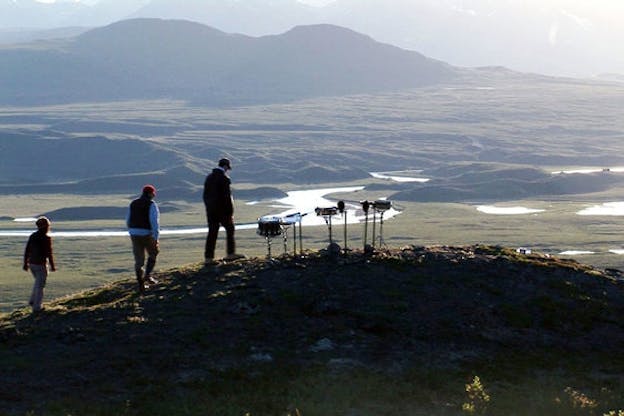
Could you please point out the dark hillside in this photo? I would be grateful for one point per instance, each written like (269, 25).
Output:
(93, 165)
(484, 181)
(257, 336)
(87, 158)
(332, 60)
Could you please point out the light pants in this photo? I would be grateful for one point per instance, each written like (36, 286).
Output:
(40, 273)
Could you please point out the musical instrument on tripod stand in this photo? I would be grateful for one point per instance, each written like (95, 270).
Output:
(380, 206)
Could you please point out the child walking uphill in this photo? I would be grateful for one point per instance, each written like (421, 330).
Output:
(36, 256)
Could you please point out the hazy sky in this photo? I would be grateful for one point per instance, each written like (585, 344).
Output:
(310, 2)
(316, 2)
(568, 37)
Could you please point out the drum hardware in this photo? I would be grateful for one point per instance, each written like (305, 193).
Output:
(327, 214)
(343, 212)
(301, 234)
(365, 207)
(374, 222)
(380, 206)
(270, 227)
(294, 219)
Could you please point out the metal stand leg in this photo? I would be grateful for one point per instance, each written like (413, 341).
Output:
(365, 228)
(345, 231)
(374, 220)
(300, 238)
(294, 239)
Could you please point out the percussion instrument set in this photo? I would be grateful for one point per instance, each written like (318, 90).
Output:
(273, 226)
(379, 206)
(327, 214)
(270, 227)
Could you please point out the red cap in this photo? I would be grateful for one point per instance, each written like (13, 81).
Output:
(149, 189)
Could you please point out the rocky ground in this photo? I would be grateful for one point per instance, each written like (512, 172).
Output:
(391, 311)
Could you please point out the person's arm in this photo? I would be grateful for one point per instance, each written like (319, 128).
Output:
(26, 255)
(154, 215)
(51, 255)
(228, 200)
(206, 193)
(128, 218)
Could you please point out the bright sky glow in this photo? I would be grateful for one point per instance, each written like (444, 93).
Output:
(318, 3)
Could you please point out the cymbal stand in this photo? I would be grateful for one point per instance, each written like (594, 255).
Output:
(365, 208)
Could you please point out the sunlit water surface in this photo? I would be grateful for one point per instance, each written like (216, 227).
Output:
(491, 209)
(296, 202)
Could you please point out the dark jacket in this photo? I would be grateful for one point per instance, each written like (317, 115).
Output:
(218, 196)
(39, 249)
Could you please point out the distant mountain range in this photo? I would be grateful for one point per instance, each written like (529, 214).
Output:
(558, 37)
(153, 58)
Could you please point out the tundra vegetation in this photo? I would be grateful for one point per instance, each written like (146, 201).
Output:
(416, 330)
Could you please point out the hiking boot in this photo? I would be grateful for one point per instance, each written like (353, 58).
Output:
(140, 282)
(210, 262)
(233, 256)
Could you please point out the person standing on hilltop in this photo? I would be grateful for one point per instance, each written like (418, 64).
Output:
(36, 256)
(143, 223)
(219, 211)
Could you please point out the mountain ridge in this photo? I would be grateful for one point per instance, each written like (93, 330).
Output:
(154, 58)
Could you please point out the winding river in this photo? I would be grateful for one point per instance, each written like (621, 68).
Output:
(302, 202)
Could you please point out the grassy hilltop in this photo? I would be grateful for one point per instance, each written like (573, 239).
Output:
(417, 330)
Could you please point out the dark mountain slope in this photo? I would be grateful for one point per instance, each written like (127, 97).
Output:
(88, 158)
(485, 181)
(50, 164)
(151, 58)
(333, 61)
(252, 329)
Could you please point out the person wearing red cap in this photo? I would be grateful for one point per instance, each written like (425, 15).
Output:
(143, 223)
(219, 211)
(36, 256)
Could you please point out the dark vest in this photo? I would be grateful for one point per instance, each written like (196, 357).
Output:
(139, 213)
(39, 247)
